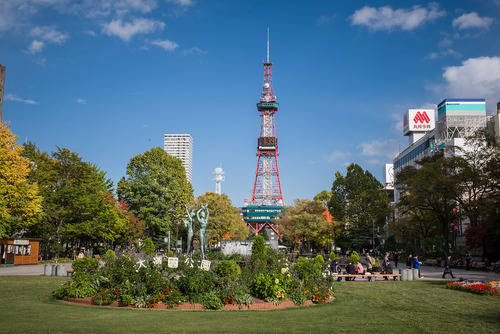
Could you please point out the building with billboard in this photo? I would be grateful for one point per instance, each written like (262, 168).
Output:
(181, 146)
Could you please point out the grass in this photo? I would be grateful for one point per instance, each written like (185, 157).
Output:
(26, 306)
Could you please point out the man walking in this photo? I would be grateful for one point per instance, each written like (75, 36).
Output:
(447, 267)
(370, 262)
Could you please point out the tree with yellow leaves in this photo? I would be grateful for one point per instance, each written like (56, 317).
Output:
(20, 203)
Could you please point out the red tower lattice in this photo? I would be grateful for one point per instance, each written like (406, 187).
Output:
(267, 185)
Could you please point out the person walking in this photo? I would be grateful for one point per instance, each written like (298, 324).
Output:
(395, 258)
(447, 267)
(416, 264)
(409, 261)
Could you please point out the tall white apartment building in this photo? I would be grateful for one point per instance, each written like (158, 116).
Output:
(181, 146)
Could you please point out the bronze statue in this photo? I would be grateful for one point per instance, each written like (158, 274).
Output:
(189, 225)
(202, 216)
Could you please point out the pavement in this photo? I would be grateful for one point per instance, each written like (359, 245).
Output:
(429, 273)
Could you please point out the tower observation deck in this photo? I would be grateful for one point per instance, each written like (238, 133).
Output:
(267, 198)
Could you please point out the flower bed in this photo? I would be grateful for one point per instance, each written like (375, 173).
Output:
(491, 289)
(146, 281)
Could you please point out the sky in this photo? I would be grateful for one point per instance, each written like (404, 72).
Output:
(107, 79)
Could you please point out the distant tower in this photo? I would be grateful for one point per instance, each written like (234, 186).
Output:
(219, 177)
(266, 203)
(181, 146)
(267, 185)
(2, 85)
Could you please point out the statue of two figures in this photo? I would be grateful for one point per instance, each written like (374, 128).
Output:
(202, 216)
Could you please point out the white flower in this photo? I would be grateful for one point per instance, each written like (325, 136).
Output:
(276, 281)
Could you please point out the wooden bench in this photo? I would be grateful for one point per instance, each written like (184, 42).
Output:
(431, 262)
(97, 256)
(69, 272)
(367, 276)
(477, 265)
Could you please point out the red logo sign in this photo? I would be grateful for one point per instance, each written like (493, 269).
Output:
(421, 117)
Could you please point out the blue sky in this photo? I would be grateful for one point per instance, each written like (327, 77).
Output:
(107, 79)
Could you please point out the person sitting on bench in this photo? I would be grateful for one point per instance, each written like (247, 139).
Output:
(387, 269)
(350, 270)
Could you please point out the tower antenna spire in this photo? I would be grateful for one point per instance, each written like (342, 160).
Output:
(268, 44)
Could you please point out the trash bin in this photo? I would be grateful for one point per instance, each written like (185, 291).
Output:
(404, 274)
(60, 270)
(53, 269)
(415, 273)
(47, 269)
(409, 274)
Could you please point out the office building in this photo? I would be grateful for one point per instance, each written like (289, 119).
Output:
(181, 146)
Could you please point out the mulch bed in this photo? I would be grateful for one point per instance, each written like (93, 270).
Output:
(257, 305)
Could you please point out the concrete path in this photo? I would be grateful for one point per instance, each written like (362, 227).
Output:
(428, 272)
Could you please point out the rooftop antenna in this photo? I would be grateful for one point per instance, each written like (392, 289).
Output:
(268, 44)
(219, 177)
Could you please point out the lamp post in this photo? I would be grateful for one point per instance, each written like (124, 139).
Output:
(373, 236)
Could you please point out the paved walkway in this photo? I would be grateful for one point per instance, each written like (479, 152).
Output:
(428, 272)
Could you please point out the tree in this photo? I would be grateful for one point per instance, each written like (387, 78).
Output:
(430, 191)
(303, 222)
(156, 190)
(225, 221)
(359, 203)
(20, 203)
(78, 207)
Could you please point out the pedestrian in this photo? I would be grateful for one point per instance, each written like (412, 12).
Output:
(468, 262)
(409, 261)
(386, 258)
(395, 258)
(447, 267)
(370, 262)
(388, 270)
(416, 264)
(350, 270)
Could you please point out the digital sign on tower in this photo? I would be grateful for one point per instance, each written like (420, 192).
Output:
(418, 120)
(267, 143)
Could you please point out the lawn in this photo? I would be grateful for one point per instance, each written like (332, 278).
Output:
(26, 306)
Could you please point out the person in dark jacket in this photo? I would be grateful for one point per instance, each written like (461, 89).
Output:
(395, 258)
(447, 267)
(388, 269)
(350, 270)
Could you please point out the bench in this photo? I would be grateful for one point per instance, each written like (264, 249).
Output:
(432, 262)
(477, 265)
(367, 276)
(69, 272)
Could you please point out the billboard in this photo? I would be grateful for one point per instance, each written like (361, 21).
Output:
(418, 120)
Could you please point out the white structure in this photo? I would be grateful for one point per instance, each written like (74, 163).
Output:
(219, 177)
(181, 146)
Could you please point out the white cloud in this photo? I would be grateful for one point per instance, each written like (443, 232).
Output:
(475, 78)
(472, 20)
(81, 101)
(325, 19)
(165, 44)
(444, 53)
(13, 97)
(49, 34)
(36, 46)
(386, 18)
(382, 148)
(105, 8)
(126, 30)
(335, 156)
(194, 51)
(184, 3)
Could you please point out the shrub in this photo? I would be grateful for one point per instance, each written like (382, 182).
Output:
(377, 263)
(354, 258)
(210, 300)
(320, 259)
(104, 297)
(170, 253)
(195, 282)
(259, 250)
(86, 265)
(149, 246)
(307, 268)
(228, 271)
(332, 256)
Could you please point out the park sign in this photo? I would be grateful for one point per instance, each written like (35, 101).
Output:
(418, 120)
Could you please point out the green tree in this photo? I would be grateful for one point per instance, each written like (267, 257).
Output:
(225, 221)
(303, 223)
(358, 203)
(20, 203)
(430, 191)
(78, 207)
(156, 190)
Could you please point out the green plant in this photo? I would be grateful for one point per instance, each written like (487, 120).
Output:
(320, 259)
(354, 258)
(259, 250)
(195, 282)
(210, 300)
(244, 299)
(170, 253)
(149, 246)
(332, 256)
(298, 296)
(228, 271)
(307, 268)
(104, 297)
(110, 253)
(377, 263)
(86, 265)
(127, 300)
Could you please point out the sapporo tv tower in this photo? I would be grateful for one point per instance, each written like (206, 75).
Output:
(267, 199)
